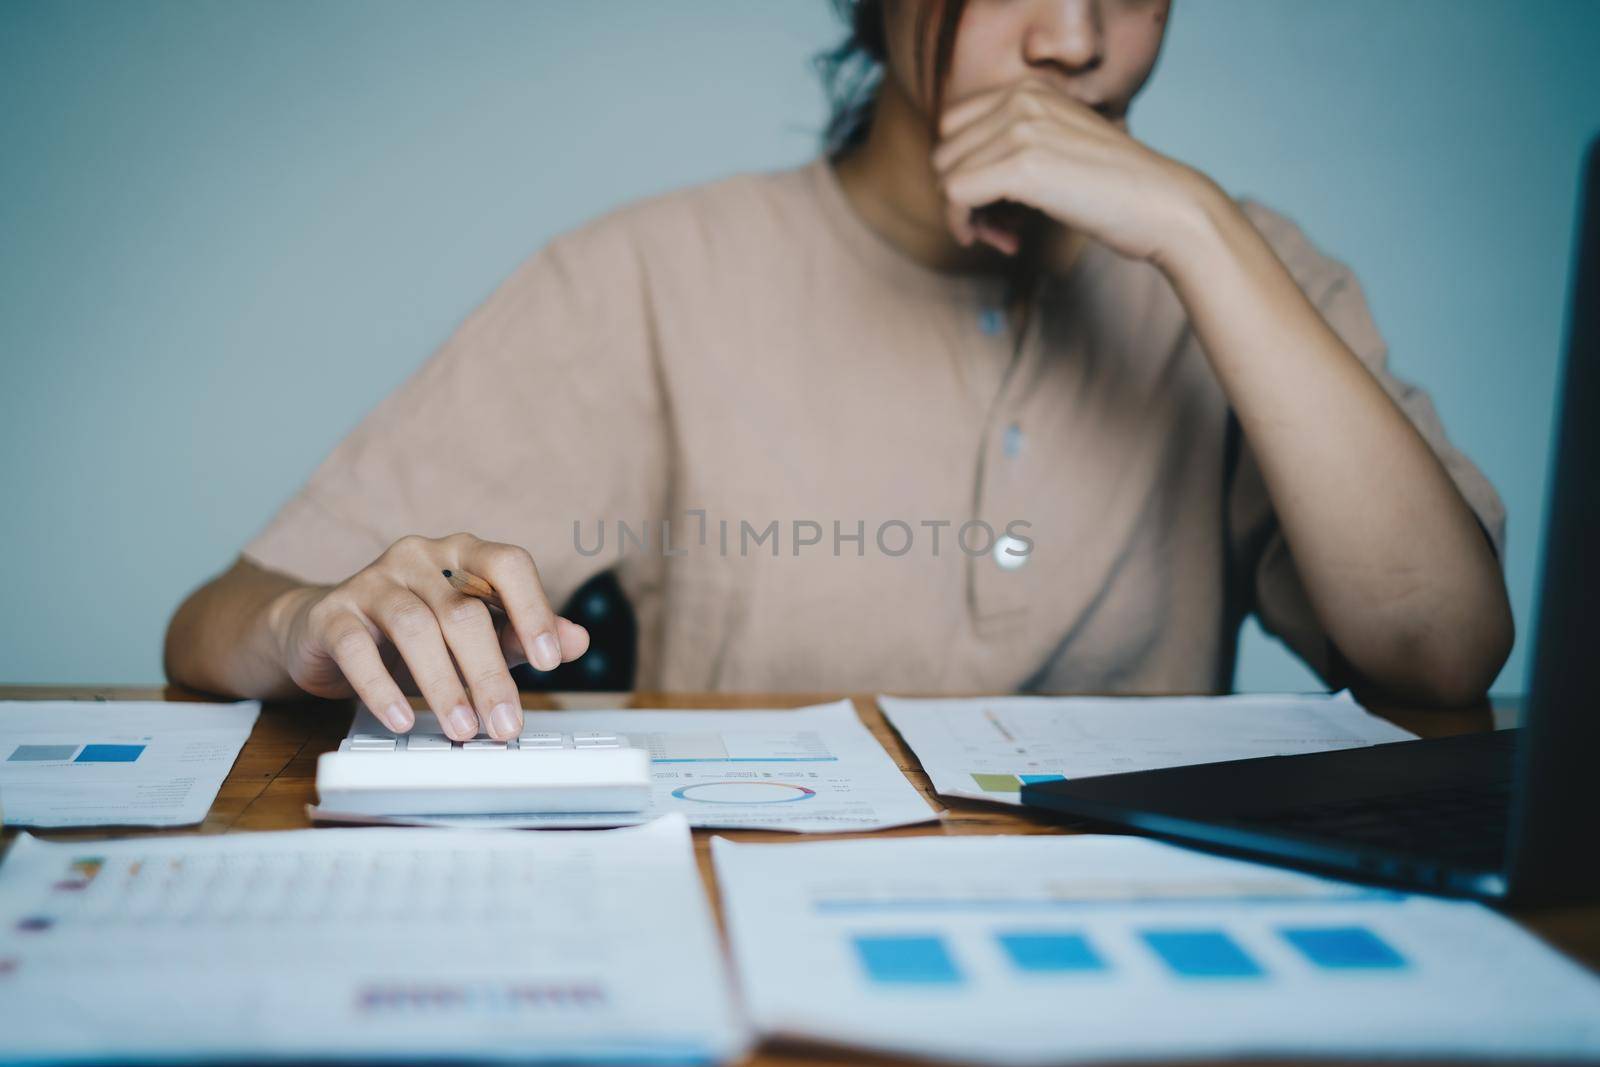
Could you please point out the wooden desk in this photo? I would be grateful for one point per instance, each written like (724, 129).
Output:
(274, 779)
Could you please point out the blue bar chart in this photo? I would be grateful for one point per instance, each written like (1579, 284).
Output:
(1045, 950)
(1190, 954)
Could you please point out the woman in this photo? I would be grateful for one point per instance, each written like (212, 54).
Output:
(993, 397)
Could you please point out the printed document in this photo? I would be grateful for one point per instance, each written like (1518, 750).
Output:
(1035, 950)
(396, 944)
(986, 748)
(806, 770)
(120, 763)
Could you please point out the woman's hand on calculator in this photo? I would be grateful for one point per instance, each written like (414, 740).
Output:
(399, 619)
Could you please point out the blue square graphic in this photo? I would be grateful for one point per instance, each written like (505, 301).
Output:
(1050, 953)
(109, 753)
(1033, 779)
(41, 753)
(900, 960)
(1343, 948)
(1202, 954)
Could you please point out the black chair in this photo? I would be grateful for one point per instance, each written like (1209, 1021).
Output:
(601, 607)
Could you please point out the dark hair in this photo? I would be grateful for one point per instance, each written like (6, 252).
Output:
(853, 70)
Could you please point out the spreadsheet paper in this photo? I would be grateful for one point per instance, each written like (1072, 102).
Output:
(364, 943)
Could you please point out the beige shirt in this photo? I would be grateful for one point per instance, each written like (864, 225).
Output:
(748, 352)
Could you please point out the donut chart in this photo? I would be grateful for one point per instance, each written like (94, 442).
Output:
(743, 792)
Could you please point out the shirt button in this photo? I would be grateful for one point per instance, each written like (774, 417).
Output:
(1010, 552)
(992, 322)
(1012, 441)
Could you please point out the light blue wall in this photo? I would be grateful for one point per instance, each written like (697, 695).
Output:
(227, 229)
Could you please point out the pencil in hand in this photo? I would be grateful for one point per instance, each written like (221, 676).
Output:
(475, 587)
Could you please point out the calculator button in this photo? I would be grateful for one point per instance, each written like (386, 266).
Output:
(372, 744)
(428, 743)
(484, 744)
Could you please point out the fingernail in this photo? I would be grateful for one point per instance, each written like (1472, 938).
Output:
(515, 656)
(400, 718)
(546, 652)
(507, 721)
(463, 724)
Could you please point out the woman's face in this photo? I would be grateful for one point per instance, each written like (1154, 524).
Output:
(1097, 51)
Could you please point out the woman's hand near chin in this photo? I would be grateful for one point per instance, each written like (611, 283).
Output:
(1392, 558)
(1032, 144)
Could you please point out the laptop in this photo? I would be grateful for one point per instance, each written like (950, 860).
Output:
(1507, 816)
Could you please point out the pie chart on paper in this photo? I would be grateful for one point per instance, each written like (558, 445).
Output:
(744, 792)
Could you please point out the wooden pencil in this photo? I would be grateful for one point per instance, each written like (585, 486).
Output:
(471, 585)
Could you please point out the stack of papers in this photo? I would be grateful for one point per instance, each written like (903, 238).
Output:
(82, 763)
(1034, 950)
(987, 748)
(399, 944)
(806, 770)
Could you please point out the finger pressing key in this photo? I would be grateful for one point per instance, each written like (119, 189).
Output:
(514, 577)
(470, 634)
(412, 626)
(357, 655)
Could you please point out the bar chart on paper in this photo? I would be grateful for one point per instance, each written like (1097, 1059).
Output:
(1044, 949)
(989, 748)
(1185, 952)
(87, 763)
(74, 752)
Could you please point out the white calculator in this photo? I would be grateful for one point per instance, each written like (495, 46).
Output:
(423, 772)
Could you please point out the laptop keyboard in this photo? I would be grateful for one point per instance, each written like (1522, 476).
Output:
(1458, 824)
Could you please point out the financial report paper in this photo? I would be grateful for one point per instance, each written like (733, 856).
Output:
(806, 770)
(987, 748)
(116, 763)
(366, 944)
(1037, 950)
